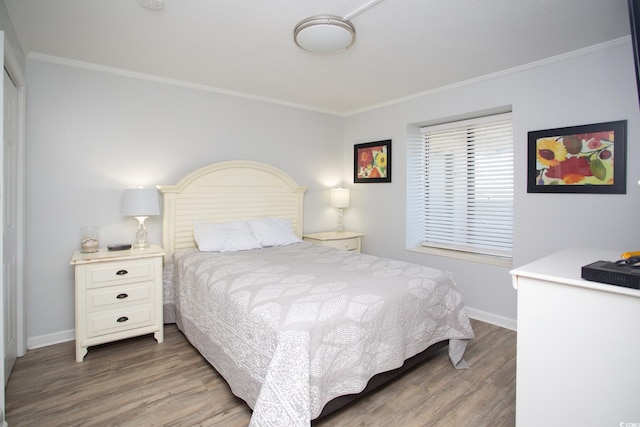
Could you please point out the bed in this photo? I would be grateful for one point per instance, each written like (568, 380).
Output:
(296, 329)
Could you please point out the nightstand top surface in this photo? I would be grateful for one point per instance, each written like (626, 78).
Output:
(332, 235)
(106, 255)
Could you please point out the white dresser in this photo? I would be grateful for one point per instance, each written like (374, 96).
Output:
(578, 345)
(346, 240)
(118, 295)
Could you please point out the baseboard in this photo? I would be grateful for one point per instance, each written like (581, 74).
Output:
(494, 319)
(70, 335)
(51, 339)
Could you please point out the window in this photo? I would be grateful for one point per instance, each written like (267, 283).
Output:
(462, 179)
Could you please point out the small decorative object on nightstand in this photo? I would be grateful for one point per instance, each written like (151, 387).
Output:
(347, 240)
(89, 241)
(118, 295)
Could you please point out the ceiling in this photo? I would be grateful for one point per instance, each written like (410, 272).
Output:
(403, 47)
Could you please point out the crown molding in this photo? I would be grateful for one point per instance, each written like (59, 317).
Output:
(173, 82)
(509, 71)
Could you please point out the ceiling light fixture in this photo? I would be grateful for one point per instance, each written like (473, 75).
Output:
(328, 33)
(152, 4)
(324, 34)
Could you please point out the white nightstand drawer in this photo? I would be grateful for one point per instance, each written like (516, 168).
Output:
(346, 244)
(346, 240)
(119, 272)
(119, 296)
(107, 322)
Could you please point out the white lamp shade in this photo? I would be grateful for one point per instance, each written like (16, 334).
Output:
(140, 202)
(340, 198)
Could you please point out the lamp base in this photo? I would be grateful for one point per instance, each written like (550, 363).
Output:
(141, 234)
(340, 228)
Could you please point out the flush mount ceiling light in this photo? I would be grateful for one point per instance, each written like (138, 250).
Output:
(152, 4)
(328, 33)
(324, 34)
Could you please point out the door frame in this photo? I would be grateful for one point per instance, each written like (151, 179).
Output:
(17, 75)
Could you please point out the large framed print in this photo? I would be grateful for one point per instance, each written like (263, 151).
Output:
(578, 159)
(372, 162)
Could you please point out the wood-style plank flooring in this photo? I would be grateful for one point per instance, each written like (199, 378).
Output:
(138, 382)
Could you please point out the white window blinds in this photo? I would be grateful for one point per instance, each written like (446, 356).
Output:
(467, 176)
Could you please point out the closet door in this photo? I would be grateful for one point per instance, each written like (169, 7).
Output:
(2, 309)
(10, 241)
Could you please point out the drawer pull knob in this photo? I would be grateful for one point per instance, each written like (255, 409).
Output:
(122, 319)
(121, 272)
(122, 296)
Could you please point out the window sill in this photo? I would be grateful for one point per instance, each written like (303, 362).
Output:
(465, 256)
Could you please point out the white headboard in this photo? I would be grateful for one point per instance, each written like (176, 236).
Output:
(228, 191)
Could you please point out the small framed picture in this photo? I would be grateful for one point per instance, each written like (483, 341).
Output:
(579, 159)
(372, 162)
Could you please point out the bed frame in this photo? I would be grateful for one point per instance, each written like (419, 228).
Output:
(382, 378)
(241, 190)
(228, 191)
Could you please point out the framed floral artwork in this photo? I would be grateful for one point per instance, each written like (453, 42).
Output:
(579, 159)
(372, 162)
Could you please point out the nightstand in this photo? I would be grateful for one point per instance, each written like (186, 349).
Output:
(347, 240)
(118, 295)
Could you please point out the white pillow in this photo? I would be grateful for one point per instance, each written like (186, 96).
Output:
(224, 237)
(273, 231)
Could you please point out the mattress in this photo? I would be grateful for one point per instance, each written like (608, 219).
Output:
(292, 327)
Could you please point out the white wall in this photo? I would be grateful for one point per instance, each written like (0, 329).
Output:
(92, 134)
(591, 86)
(11, 44)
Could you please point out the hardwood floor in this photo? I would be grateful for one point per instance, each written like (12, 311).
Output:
(138, 382)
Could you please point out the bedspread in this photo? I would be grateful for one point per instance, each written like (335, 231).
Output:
(292, 327)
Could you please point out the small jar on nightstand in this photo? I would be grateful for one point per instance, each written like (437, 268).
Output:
(346, 240)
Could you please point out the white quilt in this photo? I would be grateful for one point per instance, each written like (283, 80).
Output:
(292, 327)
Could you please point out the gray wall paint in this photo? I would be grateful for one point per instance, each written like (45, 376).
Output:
(11, 38)
(90, 135)
(93, 134)
(596, 85)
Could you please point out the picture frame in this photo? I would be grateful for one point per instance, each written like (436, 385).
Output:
(579, 159)
(372, 162)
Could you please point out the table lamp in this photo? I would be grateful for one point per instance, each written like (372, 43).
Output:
(340, 200)
(140, 203)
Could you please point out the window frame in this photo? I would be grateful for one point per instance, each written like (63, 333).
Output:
(417, 197)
